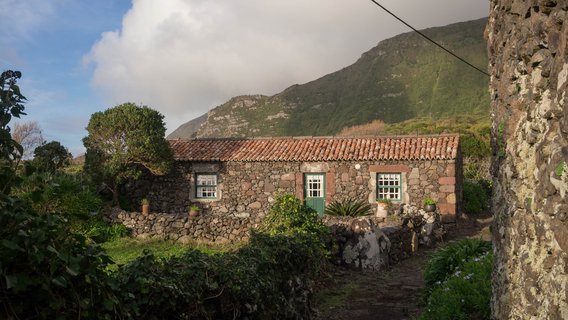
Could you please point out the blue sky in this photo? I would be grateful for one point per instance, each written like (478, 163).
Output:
(47, 40)
(184, 57)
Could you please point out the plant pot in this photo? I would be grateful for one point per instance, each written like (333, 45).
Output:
(145, 209)
(193, 213)
(429, 207)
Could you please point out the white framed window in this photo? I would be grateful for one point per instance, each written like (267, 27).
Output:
(315, 185)
(206, 185)
(389, 186)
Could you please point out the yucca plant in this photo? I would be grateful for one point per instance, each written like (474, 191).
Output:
(348, 208)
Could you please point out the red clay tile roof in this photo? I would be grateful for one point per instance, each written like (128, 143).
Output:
(318, 148)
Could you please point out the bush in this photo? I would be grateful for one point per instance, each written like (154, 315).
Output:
(449, 259)
(268, 279)
(474, 197)
(465, 294)
(348, 208)
(61, 194)
(289, 216)
(48, 272)
(99, 231)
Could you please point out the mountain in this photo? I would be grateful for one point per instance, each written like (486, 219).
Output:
(402, 78)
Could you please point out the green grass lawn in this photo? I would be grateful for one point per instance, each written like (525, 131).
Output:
(124, 250)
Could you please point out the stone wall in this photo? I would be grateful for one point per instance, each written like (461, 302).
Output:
(527, 46)
(180, 227)
(247, 189)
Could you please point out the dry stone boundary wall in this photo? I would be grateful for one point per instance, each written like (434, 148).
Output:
(528, 62)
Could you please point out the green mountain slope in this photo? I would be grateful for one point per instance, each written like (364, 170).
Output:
(402, 78)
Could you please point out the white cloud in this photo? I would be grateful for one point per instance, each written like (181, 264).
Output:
(184, 57)
(18, 18)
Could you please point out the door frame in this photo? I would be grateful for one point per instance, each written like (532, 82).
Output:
(323, 191)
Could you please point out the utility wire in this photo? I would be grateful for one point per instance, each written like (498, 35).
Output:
(429, 39)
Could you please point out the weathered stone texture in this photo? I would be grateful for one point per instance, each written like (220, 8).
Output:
(247, 189)
(180, 227)
(527, 46)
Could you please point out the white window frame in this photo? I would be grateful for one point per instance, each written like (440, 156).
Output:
(391, 185)
(315, 185)
(206, 186)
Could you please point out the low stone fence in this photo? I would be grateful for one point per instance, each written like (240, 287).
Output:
(362, 242)
(180, 227)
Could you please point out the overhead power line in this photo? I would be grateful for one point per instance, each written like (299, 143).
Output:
(430, 39)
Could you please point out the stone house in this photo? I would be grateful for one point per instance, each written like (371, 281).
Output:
(240, 177)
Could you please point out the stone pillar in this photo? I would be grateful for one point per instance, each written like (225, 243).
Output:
(528, 63)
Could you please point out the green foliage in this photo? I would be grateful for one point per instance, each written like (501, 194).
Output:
(259, 281)
(125, 249)
(429, 201)
(62, 194)
(559, 169)
(48, 272)
(51, 157)
(449, 259)
(474, 130)
(121, 141)
(474, 197)
(465, 294)
(100, 231)
(348, 208)
(288, 215)
(11, 105)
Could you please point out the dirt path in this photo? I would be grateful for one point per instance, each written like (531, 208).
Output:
(393, 294)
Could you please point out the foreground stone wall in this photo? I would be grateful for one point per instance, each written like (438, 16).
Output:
(247, 189)
(527, 46)
(180, 227)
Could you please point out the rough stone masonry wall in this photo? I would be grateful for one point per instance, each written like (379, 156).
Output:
(527, 46)
(185, 229)
(247, 189)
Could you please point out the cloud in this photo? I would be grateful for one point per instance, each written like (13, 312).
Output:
(184, 57)
(18, 18)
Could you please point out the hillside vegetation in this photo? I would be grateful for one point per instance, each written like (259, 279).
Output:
(402, 78)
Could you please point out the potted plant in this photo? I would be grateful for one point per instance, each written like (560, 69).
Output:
(383, 206)
(145, 206)
(429, 205)
(194, 210)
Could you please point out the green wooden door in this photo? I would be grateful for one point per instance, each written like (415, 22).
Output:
(314, 191)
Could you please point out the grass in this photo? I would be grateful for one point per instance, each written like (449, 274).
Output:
(124, 250)
(332, 298)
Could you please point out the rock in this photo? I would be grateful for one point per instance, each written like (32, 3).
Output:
(255, 205)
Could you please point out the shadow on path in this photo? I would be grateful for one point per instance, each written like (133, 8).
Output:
(393, 294)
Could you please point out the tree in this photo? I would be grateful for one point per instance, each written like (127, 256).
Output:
(11, 105)
(122, 141)
(29, 136)
(51, 157)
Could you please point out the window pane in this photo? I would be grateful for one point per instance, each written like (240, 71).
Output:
(389, 186)
(206, 185)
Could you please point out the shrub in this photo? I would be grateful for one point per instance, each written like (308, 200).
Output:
(289, 216)
(61, 194)
(474, 197)
(263, 280)
(47, 272)
(464, 294)
(348, 208)
(270, 278)
(447, 260)
(99, 231)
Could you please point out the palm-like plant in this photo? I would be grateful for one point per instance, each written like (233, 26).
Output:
(348, 208)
